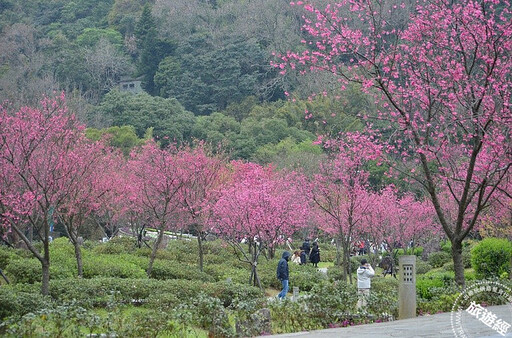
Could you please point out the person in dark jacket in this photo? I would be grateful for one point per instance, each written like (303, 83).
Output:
(303, 257)
(283, 274)
(314, 257)
(306, 247)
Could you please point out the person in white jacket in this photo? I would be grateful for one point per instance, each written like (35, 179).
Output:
(364, 274)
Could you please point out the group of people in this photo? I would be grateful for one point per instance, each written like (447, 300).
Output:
(307, 253)
(364, 273)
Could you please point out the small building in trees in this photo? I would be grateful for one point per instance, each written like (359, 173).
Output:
(130, 85)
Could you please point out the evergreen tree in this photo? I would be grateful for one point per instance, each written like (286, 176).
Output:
(146, 35)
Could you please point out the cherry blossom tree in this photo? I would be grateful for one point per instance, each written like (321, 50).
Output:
(113, 206)
(260, 207)
(38, 171)
(442, 80)
(156, 180)
(341, 192)
(89, 180)
(205, 173)
(497, 221)
(398, 219)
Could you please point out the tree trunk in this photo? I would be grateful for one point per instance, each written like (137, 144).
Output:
(45, 262)
(44, 259)
(272, 252)
(458, 264)
(78, 255)
(73, 237)
(254, 266)
(256, 277)
(338, 252)
(4, 277)
(349, 267)
(345, 266)
(30, 234)
(153, 252)
(510, 272)
(45, 284)
(201, 250)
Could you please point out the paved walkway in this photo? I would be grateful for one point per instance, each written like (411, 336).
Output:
(438, 325)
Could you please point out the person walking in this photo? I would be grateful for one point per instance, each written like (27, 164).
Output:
(283, 274)
(314, 256)
(364, 274)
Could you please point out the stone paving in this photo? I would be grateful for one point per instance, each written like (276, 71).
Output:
(438, 325)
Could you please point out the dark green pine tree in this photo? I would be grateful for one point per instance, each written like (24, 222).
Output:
(146, 35)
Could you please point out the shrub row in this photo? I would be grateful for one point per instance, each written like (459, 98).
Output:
(99, 292)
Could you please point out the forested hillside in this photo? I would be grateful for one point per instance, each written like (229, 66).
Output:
(204, 66)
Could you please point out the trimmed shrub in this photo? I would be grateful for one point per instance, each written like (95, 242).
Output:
(110, 266)
(210, 315)
(164, 269)
(491, 257)
(335, 274)
(231, 293)
(438, 259)
(446, 246)
(6, 254)
(97, 292)
(116, 245)
(466, 255)
(418, 251)
(24, 270)
(329, 303)
(448, 266)
(385, 285)
(328, 253)
(424, 287)
(305, 277)
(427, 283)
(437, 304)
(17, 303)
(422, 267)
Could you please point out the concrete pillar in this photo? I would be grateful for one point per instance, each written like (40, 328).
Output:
(295, 293)
(407, 287)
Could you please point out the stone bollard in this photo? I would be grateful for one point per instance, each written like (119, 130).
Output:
(295, 293)
(407, 287)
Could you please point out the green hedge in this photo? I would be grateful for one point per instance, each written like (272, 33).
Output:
(110, 266)
(26, 271)
(438, 259)
(91, 293)
(6, 254)
(116, 245)
(97, 292)
(422, 267)
(491, 258)
(165, 269)
(14, 302)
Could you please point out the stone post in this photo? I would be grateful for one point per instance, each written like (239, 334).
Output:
(295, 293)
(407, 287)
